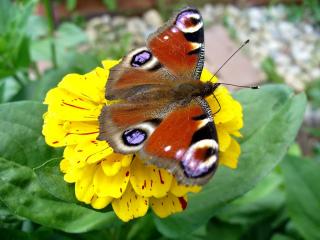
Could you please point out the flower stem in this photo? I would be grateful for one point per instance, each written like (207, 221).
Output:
(50, 15)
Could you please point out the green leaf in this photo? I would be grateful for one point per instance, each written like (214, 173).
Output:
(269, 67)
(225, 231)
(51, 179)
(71, 4)
(70, 35)
(37, 90)
(303, 194)
(20, 133)
(110, 4)
(264, 200)
(10, 234)
(21, 193)
(281, 237)
(272, 117)
(23, 58)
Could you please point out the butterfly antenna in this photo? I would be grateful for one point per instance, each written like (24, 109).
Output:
(243, 44)
(230, 84)
(242, 86)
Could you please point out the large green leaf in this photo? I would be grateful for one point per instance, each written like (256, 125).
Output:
(51, 179)
(20, 133)
(272, 117)
(21, 193)
(303, 195)
(265, 200)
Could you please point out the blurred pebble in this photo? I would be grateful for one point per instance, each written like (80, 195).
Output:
(153, 18)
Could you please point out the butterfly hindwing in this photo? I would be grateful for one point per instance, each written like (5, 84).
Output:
(185, 143)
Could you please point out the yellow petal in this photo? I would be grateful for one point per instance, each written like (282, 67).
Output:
(113, 163)
(88, 152)
(72, 139)
(72, 173)
(107, 64)
(149, 180)
(181, 190)
(84, 187)
(224, 138)
(226, 112)
(68, 106)
(130, 205)
(168, 205)
(206, 75)
(230, 157)
(100, 202)
(82, 86)
(233, 125)
(99, 78)
(53, 131)
(65, 165)
(114, 186)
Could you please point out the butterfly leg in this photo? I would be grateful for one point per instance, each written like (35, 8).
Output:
(218, 104)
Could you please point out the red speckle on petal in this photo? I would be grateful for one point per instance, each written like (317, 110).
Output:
(183, 202)
(151, 183)
(127, 173)
(121, 190)
(145, 202)
(55, 142)
(70, 105)
(161, 180)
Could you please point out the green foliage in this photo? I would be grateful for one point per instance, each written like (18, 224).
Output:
(313, 93)
(14, 41)
(301, 178)
(269, 67)
(110, 4)
(309, 9)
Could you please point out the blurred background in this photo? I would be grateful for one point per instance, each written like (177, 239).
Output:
(41, 41)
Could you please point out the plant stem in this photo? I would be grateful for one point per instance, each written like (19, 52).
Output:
(50, 15)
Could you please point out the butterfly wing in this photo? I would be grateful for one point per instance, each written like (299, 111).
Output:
(174, 53)
(179, 138)
(185, 143)
(179, 44)
(126, 126)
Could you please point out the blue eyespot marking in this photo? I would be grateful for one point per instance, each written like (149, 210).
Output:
(141, 58)
(134, 137)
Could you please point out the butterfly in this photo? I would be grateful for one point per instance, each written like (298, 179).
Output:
(161, 111)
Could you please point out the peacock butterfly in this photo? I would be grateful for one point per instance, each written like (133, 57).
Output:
(161, 110)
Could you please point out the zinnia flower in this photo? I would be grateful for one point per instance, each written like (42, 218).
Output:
(103, 177)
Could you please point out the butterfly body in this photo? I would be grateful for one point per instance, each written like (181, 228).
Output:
(161, 111)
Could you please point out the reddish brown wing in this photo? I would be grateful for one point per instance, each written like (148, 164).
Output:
(186, 144)
(179, 44)
(126, 126)
(174, 53)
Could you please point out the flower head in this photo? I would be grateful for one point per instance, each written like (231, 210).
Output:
(103, 177)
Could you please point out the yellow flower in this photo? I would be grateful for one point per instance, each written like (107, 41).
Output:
(103, 177)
